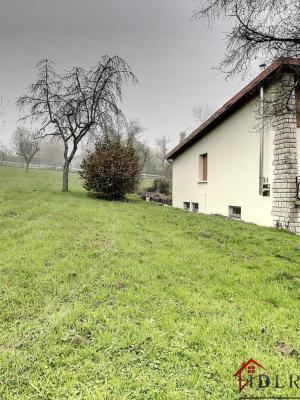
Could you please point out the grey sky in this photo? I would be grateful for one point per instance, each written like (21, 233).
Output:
(171, 56)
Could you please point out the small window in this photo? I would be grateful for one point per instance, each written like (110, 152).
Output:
(235, 212)
(195, 207)
(186, 205)
(203, 168)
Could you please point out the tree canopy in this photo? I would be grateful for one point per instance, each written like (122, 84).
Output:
(76, 103)
(261, 29)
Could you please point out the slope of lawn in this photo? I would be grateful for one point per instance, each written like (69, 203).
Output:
(116, 300)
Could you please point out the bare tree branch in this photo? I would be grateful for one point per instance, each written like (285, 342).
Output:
(262, 29)
(162, 145)
(26, 145)
(76, 104)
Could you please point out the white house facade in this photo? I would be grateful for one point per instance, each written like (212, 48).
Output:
(233, 166)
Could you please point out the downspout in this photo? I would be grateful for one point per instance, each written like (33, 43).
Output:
(261, 142)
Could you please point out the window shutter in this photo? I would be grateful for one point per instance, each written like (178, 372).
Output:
(204, 159)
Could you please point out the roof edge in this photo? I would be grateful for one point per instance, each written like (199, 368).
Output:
(230, 105)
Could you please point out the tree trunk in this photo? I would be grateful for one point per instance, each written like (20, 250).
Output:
(68, 160)
(27, 166)
(66, 176)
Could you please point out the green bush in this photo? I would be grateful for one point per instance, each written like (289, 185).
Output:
(161, 185)
(133, 197)
(112, 170)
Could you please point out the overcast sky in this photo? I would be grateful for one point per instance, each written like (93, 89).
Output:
(172, 57)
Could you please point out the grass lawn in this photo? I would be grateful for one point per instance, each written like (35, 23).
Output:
(116, 300)
(146, 183)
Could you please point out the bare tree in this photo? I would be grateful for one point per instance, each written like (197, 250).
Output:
(25, 144)
(130, 131)
(3, 108)
(162, 145)
(201, 113)
(133, 130)
(77, 103)
(261, 29)
(3, 105)
(4, 152)
(144, 153)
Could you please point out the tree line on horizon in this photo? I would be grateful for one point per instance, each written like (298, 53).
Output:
(49, 152)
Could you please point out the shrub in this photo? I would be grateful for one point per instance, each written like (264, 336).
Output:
(112, 170)
(161, 185)
(133, 197)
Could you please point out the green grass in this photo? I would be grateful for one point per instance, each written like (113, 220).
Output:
(146, 183)
(112, 300)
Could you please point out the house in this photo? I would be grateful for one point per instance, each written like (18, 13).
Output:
(234, 166)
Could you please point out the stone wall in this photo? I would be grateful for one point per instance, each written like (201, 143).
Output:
(285, 212)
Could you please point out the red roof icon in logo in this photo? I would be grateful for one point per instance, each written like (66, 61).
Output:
(249, 367)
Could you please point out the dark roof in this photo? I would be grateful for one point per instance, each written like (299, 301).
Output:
(231, 105)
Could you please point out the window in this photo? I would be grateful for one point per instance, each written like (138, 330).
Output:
(186, 205)
(203, 168)
(235, 212)
(195, 207)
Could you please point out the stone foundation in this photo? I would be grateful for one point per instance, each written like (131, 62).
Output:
(286, 213)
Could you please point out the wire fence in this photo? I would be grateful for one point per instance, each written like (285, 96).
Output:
(58, 168)
(36, 166)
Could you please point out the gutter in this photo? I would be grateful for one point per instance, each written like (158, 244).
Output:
(261, 142)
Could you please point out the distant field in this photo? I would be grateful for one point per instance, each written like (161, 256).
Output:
(146, 183)
(116, 300)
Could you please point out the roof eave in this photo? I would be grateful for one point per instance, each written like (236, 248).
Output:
(248, 91)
